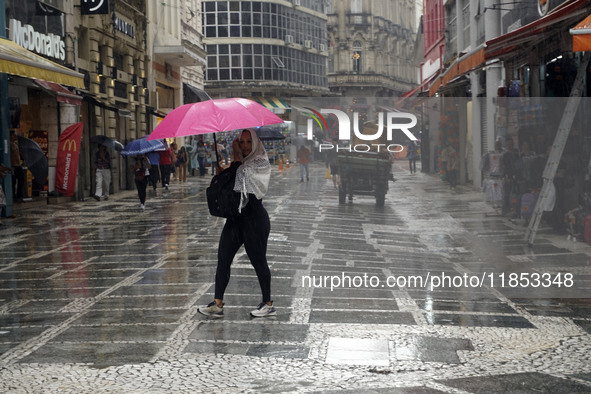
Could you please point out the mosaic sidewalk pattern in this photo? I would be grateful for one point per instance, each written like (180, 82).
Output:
(101, 297)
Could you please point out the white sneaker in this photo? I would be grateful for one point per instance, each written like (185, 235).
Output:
(142, 207)
(212, 309)
(264, 310)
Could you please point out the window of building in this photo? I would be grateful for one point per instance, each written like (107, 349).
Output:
(83, 44)
(265, 62)
(263, 20)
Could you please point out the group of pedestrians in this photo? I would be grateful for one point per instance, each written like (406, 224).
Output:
(147, 169)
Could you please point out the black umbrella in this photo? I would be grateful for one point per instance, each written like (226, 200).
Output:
(34, 158)
(269, 134)
(108, 142)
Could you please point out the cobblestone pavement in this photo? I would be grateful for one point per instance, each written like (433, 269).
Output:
(101, 297)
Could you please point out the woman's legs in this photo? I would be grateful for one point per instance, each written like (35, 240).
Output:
(141, 186)
(230, 242)
(255, 233)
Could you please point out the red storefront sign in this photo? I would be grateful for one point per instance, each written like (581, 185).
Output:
(68, 153)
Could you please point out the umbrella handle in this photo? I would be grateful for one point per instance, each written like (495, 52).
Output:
(215, 147)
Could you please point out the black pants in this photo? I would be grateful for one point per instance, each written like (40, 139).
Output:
(412, 165)
(18, 182)
(154, 175)
(165, 174)
(141, 185)
(250, 228)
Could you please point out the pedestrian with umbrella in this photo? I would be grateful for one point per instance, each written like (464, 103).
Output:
(141, 168)
(141, 171)
(249, 225)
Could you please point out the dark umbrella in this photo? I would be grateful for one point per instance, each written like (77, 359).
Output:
(108, 142)
(34, 158)
(269, 134)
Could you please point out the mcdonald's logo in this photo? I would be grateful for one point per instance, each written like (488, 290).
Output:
(69, 145)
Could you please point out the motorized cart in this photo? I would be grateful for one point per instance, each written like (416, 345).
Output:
(364, 173)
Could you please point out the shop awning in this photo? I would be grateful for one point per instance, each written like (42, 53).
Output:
(61, 94)
(16, 60)
(513, 43)
(470, 61)
(509, 44)
(271, 102)
(418, 90)
(582, 35)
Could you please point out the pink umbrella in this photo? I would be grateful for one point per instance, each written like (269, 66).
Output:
(213, 116)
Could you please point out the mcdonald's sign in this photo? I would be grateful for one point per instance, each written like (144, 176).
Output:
(70, 145)
(67, 159)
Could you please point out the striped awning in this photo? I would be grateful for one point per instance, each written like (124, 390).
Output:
(271, 102)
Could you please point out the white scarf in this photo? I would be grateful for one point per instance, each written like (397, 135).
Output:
(252, 177)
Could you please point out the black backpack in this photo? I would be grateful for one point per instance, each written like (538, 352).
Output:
(222, 200)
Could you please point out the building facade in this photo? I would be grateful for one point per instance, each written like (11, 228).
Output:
(371, 46)
(265, 48)
(111, 51)
(115, 66)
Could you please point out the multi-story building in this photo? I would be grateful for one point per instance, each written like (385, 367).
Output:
(38, 63)
(115, 66)
(175, 51)
(371, 46)
(110, 50)
(265, 48)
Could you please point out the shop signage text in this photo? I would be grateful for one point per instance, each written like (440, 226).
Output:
(44, 44)
(124, 27)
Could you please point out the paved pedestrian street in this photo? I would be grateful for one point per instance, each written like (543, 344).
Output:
(434, 293)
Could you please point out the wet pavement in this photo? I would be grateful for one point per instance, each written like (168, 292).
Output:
(102, 297)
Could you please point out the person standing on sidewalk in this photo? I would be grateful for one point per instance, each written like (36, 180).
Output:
(182, 163)
(304, 160)
(453, 166)
(165, 165)
(102, 173)
(250, 227)
(154, 158)
(412, 155)
(201, 153)
(141, 172)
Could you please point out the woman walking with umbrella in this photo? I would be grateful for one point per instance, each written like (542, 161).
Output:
(250, 226)
(141, 172)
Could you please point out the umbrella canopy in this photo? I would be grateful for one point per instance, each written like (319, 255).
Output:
(108, 142)
(269, 134)
(34, 158)
(213, 116)
(141, 146)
